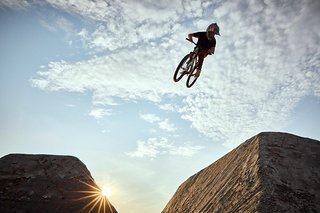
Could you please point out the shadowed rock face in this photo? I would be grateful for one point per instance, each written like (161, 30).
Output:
(271, 172)
(48, 183)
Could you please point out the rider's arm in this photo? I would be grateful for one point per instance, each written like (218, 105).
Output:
(211, 50)
(213, 47)
(190, 37)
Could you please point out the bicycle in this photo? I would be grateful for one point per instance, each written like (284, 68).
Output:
(188, 66)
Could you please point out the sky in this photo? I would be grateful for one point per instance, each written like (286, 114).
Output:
(93, 79)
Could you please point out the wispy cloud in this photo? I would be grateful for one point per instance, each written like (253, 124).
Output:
(70, 105)
(185, 150)
(151, 118)
(99, 113)
(60, 25)
(263, 66)
(154, 147)
(163, 124)
(15, 4)
(166, 125)
(260, 75)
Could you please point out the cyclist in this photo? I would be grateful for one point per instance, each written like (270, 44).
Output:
(206, 43)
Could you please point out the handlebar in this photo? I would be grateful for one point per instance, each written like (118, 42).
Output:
(190, 41)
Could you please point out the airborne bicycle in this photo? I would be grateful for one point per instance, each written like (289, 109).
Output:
(188, 66)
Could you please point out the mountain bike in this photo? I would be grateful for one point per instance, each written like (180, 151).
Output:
(188, 66)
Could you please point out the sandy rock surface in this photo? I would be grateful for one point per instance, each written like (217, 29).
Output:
(47, 183)
(271, 172)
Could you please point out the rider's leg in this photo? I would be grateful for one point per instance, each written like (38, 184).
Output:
(201, 55)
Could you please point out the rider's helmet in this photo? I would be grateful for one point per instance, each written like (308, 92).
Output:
(212, 30)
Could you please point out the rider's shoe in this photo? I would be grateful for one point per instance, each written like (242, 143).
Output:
(197, 73)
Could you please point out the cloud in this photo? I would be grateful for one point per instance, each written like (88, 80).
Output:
(151, 118)
(154, 147)
(118, 24)
(186, 150)
(120, 75)
(167, 107)
(70, 105)
(163, 124)
(99, 113)
(258, 77)
(60, 25)
(66, 26)
(265, 61)
(166, 125)
(15, 4)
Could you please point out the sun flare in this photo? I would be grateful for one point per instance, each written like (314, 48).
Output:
(106, 191)
(97, 198)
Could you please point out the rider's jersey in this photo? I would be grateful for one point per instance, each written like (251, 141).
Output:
(203, 41)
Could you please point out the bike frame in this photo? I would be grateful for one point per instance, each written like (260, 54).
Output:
(193, 57)
(187, 66)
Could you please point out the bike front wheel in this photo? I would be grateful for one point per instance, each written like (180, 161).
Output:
(192, 78)
(181, 69)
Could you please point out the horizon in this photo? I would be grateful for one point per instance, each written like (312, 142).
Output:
(94, 80)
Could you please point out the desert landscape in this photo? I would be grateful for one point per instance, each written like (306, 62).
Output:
(270, 172)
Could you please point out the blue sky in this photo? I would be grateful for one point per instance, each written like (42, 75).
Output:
(93, 79)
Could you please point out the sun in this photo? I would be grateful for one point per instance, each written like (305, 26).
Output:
(106, 191)
(97, 198)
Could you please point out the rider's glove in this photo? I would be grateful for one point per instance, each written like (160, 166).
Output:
(211, 51)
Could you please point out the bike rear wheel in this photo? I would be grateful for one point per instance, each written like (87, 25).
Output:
(181, 69)
(192, 77)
